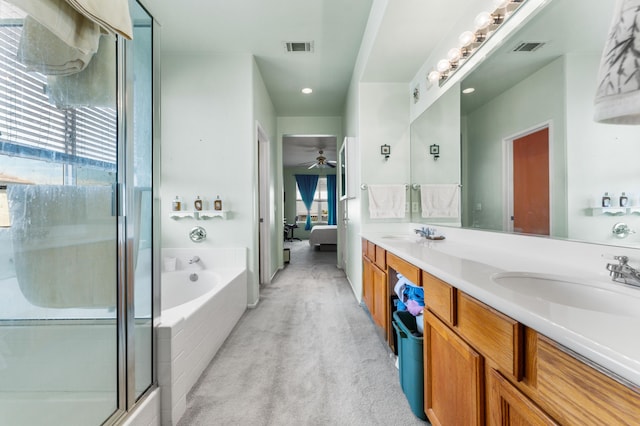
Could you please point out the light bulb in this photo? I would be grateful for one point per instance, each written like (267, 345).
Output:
(433, 76)
(466, 38)
(499, 4)
(443, 65)
(483, 20)
(454, 54)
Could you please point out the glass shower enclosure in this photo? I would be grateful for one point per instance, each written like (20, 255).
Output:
(76, 222)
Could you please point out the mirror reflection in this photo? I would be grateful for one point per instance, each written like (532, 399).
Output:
(531, 157)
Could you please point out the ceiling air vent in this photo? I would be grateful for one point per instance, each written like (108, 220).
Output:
(528, 46)
(298, 46)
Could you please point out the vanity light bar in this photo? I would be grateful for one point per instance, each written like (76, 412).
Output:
(485, 25)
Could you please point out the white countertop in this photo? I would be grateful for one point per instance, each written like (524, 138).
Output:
(610, 340)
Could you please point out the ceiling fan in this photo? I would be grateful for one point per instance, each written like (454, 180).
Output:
(322, 162)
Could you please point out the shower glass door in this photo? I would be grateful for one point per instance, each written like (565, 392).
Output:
(76, 249)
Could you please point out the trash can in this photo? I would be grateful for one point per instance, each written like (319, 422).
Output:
(410, 361)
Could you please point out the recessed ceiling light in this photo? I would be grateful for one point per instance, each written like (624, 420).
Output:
(307, 90)
(468, 90)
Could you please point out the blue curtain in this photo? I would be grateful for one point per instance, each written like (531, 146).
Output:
(331, 198)
(307, 185)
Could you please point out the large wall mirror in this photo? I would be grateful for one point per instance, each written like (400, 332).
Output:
(531, 158)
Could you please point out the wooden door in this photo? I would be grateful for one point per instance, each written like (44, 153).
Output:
(453, 377)
(531, 183)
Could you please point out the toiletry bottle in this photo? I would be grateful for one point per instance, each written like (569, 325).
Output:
(197, 203)
(176, 205)
(217, 204)
(623, 200)
(606, 200)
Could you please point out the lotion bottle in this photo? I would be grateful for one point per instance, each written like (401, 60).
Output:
(176, 205)
(624, 200)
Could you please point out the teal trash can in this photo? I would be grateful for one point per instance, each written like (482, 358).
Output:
(410, 361)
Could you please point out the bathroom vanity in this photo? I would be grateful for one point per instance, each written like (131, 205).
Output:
(501, 345)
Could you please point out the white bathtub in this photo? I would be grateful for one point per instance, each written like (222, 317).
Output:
(197, 316)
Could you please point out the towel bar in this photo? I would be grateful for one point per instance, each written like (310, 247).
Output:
(364, 186)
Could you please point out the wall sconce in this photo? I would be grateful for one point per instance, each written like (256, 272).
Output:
(435, 151)
(386, 151)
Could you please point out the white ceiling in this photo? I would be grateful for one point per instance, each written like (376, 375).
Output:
(404, 39)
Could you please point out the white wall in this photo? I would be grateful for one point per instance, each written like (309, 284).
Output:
(384, 119)
(209, 148)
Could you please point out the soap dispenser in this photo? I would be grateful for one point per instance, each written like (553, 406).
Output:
(217, 204)
(606, 200)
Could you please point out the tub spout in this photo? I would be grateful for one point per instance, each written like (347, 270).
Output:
(194, 259)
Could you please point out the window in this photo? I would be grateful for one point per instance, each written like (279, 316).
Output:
(319, 208)
(54, 143)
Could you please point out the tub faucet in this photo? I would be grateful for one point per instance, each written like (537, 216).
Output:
(194, 259)
(622, 272)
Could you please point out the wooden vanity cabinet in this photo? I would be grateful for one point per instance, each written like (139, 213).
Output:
(374, 284)
(510, 407)
(453, 376)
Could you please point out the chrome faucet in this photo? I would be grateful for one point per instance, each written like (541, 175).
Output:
(425, 232)
(622, 272)
(194, 259)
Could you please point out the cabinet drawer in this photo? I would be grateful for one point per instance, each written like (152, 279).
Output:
(495, 335)
(381, 258)
(440, 298)
(371, 251)
(575, 393)
(411, 272)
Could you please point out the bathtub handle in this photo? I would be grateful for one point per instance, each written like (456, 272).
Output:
(198, 234)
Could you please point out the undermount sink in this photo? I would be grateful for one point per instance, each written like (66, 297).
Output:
(399, 237)
(569, 292)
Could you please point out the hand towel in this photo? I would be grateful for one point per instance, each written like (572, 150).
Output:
(42, 51)
(617, 99)
(440, 200)
(387, 201)
(65, 22)
(111, 15)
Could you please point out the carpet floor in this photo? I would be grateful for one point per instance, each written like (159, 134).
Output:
(308, 354)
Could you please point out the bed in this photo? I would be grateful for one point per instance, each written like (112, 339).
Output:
(322, 235)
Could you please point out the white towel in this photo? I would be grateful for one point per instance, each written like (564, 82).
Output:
(617, 98)
(387, 201)
(440, 200)
(42, 51)
(65, 22)
(94, 86)
(111, 15)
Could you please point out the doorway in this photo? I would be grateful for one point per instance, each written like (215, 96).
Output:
(264, 222)
(528, 182)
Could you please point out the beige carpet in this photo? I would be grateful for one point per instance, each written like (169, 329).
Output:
(308, 354)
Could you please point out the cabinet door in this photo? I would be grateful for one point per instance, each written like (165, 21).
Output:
(379, 296)
(367, 284)
(509, 407)
(453, 377)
